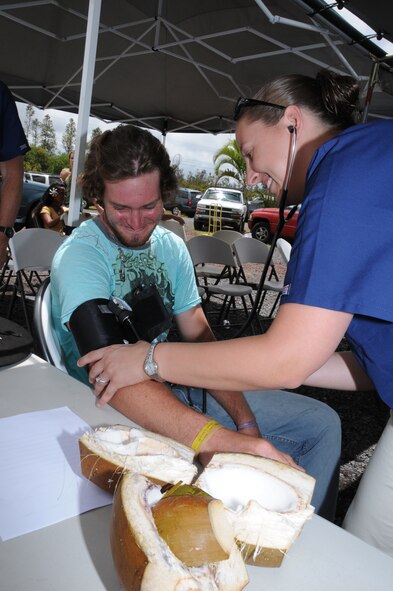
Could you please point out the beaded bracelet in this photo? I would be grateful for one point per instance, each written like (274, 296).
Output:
(205, 433)
(247, 424)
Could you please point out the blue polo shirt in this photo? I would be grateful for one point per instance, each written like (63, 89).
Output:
(13, 141)
(342, 258)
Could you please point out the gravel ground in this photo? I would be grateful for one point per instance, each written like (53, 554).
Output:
(363, 415)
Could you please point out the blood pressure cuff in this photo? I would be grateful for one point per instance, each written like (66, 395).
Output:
(99, 322)
(94, 325)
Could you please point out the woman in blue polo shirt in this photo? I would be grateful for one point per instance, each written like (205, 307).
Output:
(13, 147)
(339, 279)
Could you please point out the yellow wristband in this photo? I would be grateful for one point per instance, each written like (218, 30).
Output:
(205, 433)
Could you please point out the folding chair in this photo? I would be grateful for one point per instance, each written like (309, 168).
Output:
(251, 250)
(34, 220)
(5, 275)
(44, 330)
(229, 236)
(175, 227)
(284, 248)
(32, 250)
(207, 249)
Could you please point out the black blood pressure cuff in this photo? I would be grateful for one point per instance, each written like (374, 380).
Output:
(99, 322)
(94, 325)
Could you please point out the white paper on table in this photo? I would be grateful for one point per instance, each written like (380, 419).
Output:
(40, 467)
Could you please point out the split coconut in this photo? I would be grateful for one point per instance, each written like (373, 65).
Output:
(177, 541)
(193, 537)
(107, 452)
(267, 503)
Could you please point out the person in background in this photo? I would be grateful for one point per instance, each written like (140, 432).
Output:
(52, 207)
(66, 175)
(125, 253)
(337, 283)
(168, 215)
(13, 147)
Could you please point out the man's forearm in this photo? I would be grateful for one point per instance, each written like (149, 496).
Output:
(195, 328)
(153, 406)
(235, 404)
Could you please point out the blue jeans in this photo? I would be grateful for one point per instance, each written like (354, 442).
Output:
(306, 429)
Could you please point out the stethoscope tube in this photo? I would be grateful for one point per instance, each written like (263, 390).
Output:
(283, 219)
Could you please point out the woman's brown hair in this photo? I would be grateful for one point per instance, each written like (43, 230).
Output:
(332, 97)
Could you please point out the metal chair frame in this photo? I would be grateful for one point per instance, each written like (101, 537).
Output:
(32, 251)
(207, 249)
(251, 250)
(44, 330)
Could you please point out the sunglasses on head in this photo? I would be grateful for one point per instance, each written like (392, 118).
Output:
(244, 102)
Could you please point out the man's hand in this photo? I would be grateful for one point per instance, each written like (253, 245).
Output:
(225, 440)
(111, 370)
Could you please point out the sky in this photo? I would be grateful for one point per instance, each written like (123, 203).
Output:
(194, 150)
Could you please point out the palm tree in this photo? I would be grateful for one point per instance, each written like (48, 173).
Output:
(229, 162)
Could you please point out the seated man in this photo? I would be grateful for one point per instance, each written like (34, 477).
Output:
(123, 253)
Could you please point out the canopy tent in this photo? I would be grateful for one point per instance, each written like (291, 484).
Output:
(178, 65)
(175, 65)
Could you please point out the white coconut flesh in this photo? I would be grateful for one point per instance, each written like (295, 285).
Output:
(132, 441)
(235, 486)
(267, 502)
(137, 450)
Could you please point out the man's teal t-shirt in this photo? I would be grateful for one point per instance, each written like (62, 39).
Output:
(91, 264)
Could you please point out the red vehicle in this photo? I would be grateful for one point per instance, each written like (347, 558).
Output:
(263, 223)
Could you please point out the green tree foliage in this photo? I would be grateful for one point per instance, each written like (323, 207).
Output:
(69, 136)
(37, 160)
(57, 163)
(96, 131)
(230, 163)
(35, 132)
(48, 135)
(30, 112)
(199, 180)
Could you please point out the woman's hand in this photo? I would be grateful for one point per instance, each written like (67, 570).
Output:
(115, 367)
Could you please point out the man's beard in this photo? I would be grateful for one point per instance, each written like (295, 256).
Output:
(132, 239)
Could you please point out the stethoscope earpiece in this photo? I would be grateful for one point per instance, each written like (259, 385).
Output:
(291, 128)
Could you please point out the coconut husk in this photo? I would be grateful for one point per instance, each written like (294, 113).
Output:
(108, 452)
(144, 561)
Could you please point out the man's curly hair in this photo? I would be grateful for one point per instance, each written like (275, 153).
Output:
(124, 152)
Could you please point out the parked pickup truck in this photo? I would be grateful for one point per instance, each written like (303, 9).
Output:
(219, 207)
(263, 223)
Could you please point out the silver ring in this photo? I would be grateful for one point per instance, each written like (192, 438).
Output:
(101, 380)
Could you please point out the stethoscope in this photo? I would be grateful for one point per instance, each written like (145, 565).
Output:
(283, 219)
(284, 193)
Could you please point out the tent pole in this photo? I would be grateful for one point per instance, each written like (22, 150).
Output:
(93, 23)
(370, 89)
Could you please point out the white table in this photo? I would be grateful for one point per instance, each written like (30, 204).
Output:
(75, 555)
